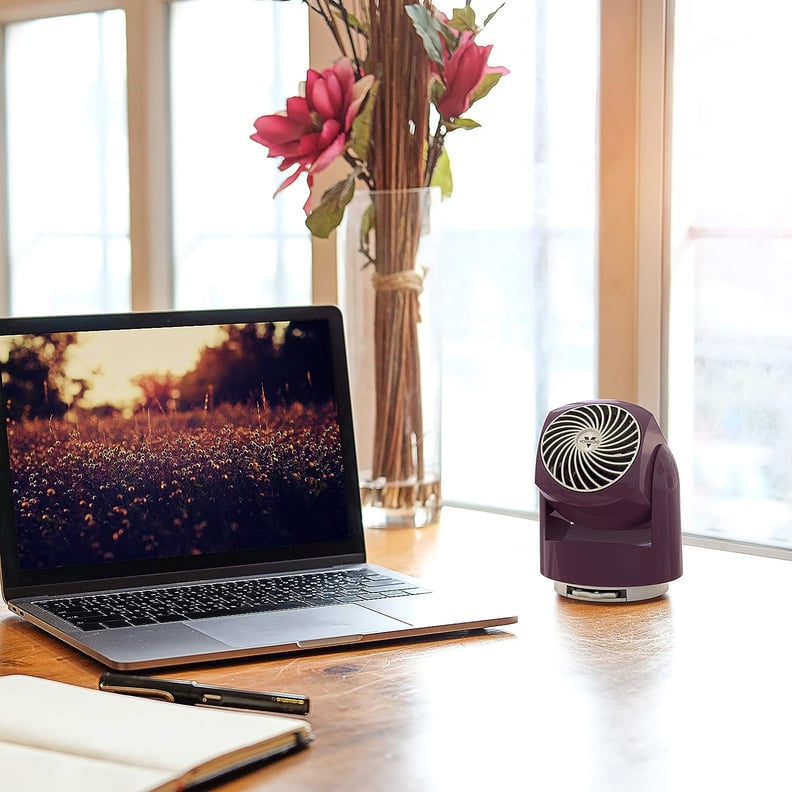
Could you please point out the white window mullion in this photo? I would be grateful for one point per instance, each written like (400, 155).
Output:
(21, 10)
(680, 376)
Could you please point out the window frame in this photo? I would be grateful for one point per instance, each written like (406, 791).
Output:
(635, 60)
(636, 53)
(631, 194)
(149, 142)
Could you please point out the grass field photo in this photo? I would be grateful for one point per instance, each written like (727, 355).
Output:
(231, 443)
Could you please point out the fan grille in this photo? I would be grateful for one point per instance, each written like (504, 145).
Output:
(590, 447)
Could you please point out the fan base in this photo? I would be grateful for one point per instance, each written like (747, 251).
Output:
(607, 595)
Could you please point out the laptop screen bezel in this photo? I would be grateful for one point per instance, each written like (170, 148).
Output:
(17, 581)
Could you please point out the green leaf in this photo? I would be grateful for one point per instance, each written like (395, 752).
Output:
(461, 123)
(354, 23)
(428, 28)
(463, 19)
(442, 177)
(368, 221)
(489, 16)
(437, 91)
(485, 86)
(451, 37)
(361, 126)
(330, 211)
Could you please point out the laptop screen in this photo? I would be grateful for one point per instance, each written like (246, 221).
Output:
(163, 442)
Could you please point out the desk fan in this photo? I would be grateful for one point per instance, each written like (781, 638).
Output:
(608, 503)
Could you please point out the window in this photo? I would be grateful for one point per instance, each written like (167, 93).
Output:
(521, 265)
(127, 181)
(68, 182)
(730, 363)
(234, 246)
(167, 204)
(519, 279)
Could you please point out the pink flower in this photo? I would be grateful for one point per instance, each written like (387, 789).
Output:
(315, 128)
(462, 73)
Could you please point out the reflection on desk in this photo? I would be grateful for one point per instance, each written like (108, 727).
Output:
(685, 692)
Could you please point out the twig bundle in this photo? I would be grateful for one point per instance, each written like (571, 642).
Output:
(400, 128)
(400, 124)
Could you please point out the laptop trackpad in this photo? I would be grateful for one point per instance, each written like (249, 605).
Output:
(302, 626)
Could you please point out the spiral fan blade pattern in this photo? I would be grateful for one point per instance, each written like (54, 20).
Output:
(590, 447)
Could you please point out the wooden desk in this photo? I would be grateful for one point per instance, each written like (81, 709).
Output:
(688, 692)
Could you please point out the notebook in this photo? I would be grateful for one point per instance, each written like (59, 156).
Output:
(180, 487)
(59, 736)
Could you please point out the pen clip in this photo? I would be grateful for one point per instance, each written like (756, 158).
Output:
(139, 691)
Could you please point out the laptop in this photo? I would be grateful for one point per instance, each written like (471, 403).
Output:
(179, 487)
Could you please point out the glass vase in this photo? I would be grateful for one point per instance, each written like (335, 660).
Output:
(389, 291)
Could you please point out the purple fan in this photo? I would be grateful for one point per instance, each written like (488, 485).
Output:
(608, 503)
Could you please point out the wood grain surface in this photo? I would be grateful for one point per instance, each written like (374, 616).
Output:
(687, 692)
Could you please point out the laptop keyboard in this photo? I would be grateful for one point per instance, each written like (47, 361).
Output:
(227, 598)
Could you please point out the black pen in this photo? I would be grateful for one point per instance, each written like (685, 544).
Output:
(183, 692)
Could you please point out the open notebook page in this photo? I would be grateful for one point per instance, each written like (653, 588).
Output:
(144, 741)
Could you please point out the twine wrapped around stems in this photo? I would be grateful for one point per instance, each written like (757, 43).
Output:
(396, 281)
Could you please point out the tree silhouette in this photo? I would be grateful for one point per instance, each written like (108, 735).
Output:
(255, 364)
(259, 363)
(236, 371)
(35, 384)
(307, 362)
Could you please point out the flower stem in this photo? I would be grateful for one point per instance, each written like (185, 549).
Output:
(436, 148)
(327, 16)
(355, 57)
(324, 8)
(361, 169)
